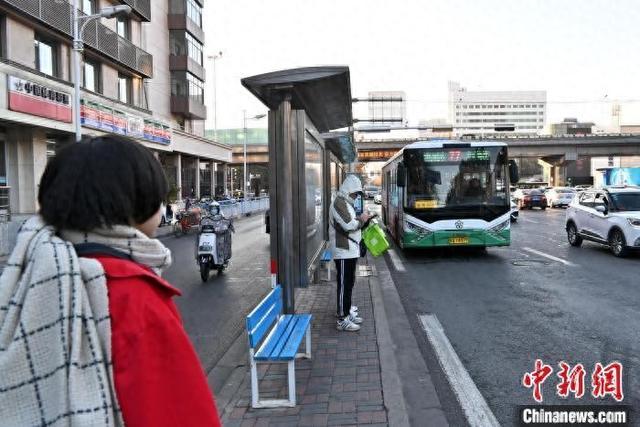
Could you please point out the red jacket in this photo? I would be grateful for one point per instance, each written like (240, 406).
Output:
(158, 378)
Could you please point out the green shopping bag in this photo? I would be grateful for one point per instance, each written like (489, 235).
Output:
(375, 239)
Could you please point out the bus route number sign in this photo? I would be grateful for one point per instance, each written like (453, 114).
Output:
(477, 155)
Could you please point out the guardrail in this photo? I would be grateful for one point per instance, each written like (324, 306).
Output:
(240, 207)
(5, 204)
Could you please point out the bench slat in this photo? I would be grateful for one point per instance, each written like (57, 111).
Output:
(264, 325)
(287, 340)
(274, 297)
(293, 343)
(282, 338)
(267, 348)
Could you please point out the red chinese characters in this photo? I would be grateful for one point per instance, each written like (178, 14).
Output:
(607, 380)
(536, 378)
(571, 380)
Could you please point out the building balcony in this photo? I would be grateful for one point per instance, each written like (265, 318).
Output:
(181, 21)
(142, 8)
(188, 106)
(57, 15)
(185, 63)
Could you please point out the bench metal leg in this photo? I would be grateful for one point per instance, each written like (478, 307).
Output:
(292, 382)
(307, 345)
(255, 392)
(272, 403)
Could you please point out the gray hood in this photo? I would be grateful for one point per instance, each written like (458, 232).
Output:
(351, 184)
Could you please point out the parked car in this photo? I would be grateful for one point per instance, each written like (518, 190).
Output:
(377, 199)
(610, 216)
(530, 199)
(560, 196)
(370, 191)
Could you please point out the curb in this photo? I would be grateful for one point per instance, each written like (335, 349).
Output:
(409, 392)
(393, 397)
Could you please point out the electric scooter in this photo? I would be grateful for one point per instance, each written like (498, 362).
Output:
(214, 245)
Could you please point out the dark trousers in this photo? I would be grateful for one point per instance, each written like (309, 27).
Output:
(346, 275)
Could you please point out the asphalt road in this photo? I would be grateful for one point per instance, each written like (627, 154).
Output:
(504, 308)
(214, 312)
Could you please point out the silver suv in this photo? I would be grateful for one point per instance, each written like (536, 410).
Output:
(610, 216)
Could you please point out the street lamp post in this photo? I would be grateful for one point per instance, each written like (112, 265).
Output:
(214, 58)
(244, 157)
(79, 24)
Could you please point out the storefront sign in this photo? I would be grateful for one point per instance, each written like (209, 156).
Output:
(376, 154)
(103, 117)
(135, 126)
(33, 98)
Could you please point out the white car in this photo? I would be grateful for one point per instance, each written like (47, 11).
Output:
(559, 196)
(610, 216)
(377, 199)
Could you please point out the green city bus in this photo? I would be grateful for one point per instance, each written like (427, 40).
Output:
(449, 193)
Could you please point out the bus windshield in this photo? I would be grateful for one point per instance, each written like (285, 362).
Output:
(455, 181)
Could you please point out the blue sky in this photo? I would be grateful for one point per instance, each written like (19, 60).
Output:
(584, 53)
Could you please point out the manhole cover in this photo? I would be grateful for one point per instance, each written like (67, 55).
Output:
(529, 262)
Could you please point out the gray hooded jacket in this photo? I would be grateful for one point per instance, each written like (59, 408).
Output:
(342, 215)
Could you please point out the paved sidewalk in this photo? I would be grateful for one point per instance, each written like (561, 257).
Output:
(342, 383)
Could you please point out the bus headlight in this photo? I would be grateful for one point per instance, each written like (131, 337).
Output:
(500, 227)
(421, 232)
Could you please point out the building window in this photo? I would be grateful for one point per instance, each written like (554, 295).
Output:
(196, 88)
(195, 49)
(194, 12)
(89, 7)
(125, 89)
(51, 147)
(46, 56)
(123, 27)
(3, 37)
(91, 76)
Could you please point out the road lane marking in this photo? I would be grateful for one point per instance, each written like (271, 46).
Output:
(551, 257)
(528, 220)
(396, 261)
(474, 406)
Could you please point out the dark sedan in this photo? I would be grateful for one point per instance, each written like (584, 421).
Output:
(533, 199)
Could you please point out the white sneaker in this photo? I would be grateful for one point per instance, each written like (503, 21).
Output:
(353, 310)
(354, 318)
(347, 325)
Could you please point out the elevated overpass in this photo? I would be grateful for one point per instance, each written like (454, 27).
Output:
(570, 147)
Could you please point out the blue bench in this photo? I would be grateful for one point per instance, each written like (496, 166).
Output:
(276, 338)
(326, 258)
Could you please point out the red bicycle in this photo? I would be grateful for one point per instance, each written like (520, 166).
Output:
(187, 220)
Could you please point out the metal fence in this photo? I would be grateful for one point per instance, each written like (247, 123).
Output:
(240, 207)
(57, 14)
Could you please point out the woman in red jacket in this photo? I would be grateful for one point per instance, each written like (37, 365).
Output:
(104, 195)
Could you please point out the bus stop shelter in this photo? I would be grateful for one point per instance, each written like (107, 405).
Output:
(306, 163)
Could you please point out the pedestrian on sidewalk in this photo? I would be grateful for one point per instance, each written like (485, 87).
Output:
(345, 238)
(89, 334)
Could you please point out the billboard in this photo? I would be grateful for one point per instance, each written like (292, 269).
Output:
(622, 176)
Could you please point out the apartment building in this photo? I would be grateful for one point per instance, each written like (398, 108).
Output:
(142, 76)
(489, 113)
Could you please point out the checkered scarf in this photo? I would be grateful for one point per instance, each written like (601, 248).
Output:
(55, 330)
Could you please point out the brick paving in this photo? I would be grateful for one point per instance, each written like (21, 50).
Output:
(341, 385)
